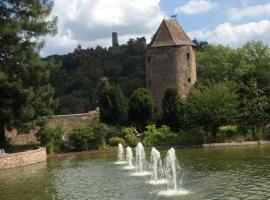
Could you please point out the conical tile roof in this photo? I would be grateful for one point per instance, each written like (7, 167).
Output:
(170, 33)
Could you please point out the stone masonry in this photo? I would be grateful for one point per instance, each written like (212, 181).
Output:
(170, 60)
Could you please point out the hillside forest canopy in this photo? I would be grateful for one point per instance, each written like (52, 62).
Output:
(81, 74)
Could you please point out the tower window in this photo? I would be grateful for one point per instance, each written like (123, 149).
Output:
(189, 80)
(149, 59)
(188, 56)
(149, 83)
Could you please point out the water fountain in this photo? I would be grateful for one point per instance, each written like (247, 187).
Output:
(2, 151)
(171, 168)
(120, 155)
(141, 164)
(157, 176)
(129, 159)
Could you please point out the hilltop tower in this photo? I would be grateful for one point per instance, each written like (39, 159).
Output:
(170, 61)
(114, 39)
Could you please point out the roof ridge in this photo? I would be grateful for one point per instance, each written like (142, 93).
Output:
(168, 28)
(170, 33)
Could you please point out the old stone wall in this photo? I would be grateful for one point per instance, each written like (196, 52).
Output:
(67, 122)
(13, 137)
(22, 158)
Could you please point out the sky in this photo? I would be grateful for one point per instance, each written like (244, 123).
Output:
(90, 22)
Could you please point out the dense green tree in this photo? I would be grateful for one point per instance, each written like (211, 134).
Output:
(255, 108)
(141, 108)
(172, 109)
(25, 95)
(212, 105)
(113, 106)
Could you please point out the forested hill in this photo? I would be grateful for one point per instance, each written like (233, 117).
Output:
(76, 80)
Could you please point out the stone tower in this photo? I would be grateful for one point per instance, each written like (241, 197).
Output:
(114, 39)
(170, 61)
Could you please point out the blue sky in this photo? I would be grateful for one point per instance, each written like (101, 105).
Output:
(90, 22)
(211, 18)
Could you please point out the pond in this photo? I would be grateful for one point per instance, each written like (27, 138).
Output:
(231, 173)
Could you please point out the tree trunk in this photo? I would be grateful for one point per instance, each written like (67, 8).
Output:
(2, 137)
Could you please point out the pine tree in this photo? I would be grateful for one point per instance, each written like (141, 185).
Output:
(25, 95)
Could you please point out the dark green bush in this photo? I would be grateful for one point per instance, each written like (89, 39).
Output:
(266, 133)
(53, 139)
(114, 141)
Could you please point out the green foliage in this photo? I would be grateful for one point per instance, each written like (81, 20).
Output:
(172, 109)
(158, 136)
(130, 136)
(228, 133)
(76, 80)
(212, 106)
(82, 138)
(52, 138)
(114, 141)
(141, 108)
(113, 106)
(86, 137)
(254, 112)
(26, 95)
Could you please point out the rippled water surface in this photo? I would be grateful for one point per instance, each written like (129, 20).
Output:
(212, 174)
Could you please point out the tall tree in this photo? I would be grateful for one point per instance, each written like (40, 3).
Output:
(213, 105)
(25, 95)
(255, 107)
(172, 109)
(141, 108)
(113, 106)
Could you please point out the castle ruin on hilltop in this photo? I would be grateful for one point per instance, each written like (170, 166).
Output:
(170, 61)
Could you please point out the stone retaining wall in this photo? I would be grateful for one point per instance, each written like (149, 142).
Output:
(22, 158)
(67, 122)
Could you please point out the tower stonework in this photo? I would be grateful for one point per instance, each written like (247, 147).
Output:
(114, 39)
(170, 61)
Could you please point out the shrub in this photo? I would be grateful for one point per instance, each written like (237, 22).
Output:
(82, 138)
(52, 138)
(193, 137)
(114, 141)
(266, 133)
(227, 132)
(158, 136)
(130, 136)
(86, 137)
(100, 131)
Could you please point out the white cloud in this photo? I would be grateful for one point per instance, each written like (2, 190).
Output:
(235, 35)
(90, 22)
(249, 11)
(196, 6)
